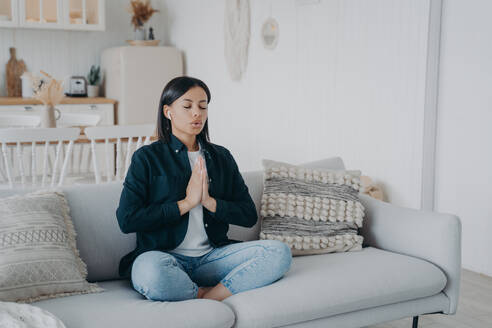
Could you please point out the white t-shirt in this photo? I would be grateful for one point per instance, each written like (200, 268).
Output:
(196, 241)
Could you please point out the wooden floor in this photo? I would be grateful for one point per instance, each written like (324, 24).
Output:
(474, 307)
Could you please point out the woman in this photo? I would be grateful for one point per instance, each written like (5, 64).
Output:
(179, 196)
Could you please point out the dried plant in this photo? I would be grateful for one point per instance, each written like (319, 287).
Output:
(49, 91)
(141, 11)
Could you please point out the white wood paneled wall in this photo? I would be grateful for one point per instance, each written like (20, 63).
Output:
(346, 79)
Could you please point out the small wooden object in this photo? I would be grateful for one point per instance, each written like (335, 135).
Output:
(143, 42)
(14, 68)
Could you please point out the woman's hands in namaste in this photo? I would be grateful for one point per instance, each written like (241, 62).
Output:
(197, 189)
(195, 185)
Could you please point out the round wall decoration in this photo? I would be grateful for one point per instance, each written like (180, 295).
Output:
(270, 33)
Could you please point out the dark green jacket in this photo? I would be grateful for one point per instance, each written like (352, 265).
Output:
(157, 179)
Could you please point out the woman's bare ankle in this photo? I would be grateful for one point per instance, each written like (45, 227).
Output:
(202, 291)
(218, 293)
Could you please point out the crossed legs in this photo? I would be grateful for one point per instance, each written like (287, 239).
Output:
(221, 273)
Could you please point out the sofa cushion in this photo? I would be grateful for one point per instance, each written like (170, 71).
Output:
(254, 181)
(38, 255)
(100, 241)
(121, 306)
(329, 284)
(314, 211)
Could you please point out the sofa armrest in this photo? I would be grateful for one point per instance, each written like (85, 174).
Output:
(428, 235)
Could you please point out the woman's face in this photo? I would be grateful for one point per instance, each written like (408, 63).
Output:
(188, 112)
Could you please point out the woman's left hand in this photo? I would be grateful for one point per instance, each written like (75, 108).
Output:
(208, 202)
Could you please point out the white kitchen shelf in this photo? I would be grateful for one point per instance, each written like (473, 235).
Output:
(82, 15)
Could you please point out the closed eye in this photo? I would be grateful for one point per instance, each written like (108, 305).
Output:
(188, 107)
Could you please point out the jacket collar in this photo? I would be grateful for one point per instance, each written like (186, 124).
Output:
(178, 146)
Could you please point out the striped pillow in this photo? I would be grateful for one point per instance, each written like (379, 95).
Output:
(314, 211)
(39, 258)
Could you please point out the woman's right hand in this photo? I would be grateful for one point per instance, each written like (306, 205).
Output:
(194, 189)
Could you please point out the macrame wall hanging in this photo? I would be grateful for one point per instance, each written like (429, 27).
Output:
(236, 37)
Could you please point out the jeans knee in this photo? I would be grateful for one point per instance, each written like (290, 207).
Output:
(281, 254)
(152, 263)
(152, 273)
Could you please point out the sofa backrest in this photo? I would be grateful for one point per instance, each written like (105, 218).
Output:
(99, 239)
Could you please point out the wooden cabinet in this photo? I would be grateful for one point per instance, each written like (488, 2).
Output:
(86, 114)
(86, 15)
(73, 111)
(40, 13)
(9, 16)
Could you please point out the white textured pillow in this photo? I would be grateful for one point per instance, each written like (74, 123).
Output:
(14, 315)
(314, 211)
(38, 255)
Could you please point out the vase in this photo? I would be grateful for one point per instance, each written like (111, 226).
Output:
(48, 117)
(140, 33)
(92, 91)
(27, 91)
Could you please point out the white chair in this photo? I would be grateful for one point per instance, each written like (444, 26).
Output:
(116, 135)
(16, 169)
(78, 169)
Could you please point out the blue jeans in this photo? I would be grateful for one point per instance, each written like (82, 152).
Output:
(167, 276)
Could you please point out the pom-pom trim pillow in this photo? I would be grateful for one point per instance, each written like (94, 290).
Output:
(314, 211)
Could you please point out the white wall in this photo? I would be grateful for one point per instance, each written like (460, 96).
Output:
(346, 79)
(464, 134)
(66, 53)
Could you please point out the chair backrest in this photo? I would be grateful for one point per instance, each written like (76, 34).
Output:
(80, 162)
(19, 138)
(117, 135)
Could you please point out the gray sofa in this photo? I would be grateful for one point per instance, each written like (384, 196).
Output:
(409, 266)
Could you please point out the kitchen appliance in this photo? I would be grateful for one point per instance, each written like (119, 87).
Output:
(135, 77)
(77, 86)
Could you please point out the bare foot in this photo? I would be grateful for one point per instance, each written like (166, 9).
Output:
(202, 291)
(218, 293)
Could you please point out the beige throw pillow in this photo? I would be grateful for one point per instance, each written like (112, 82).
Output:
(314, 211)
(38, 255)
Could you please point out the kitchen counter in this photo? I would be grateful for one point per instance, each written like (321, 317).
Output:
(6, 101)
(106, 108)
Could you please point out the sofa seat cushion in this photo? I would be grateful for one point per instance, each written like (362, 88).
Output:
(121, 306)
(320, 286)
